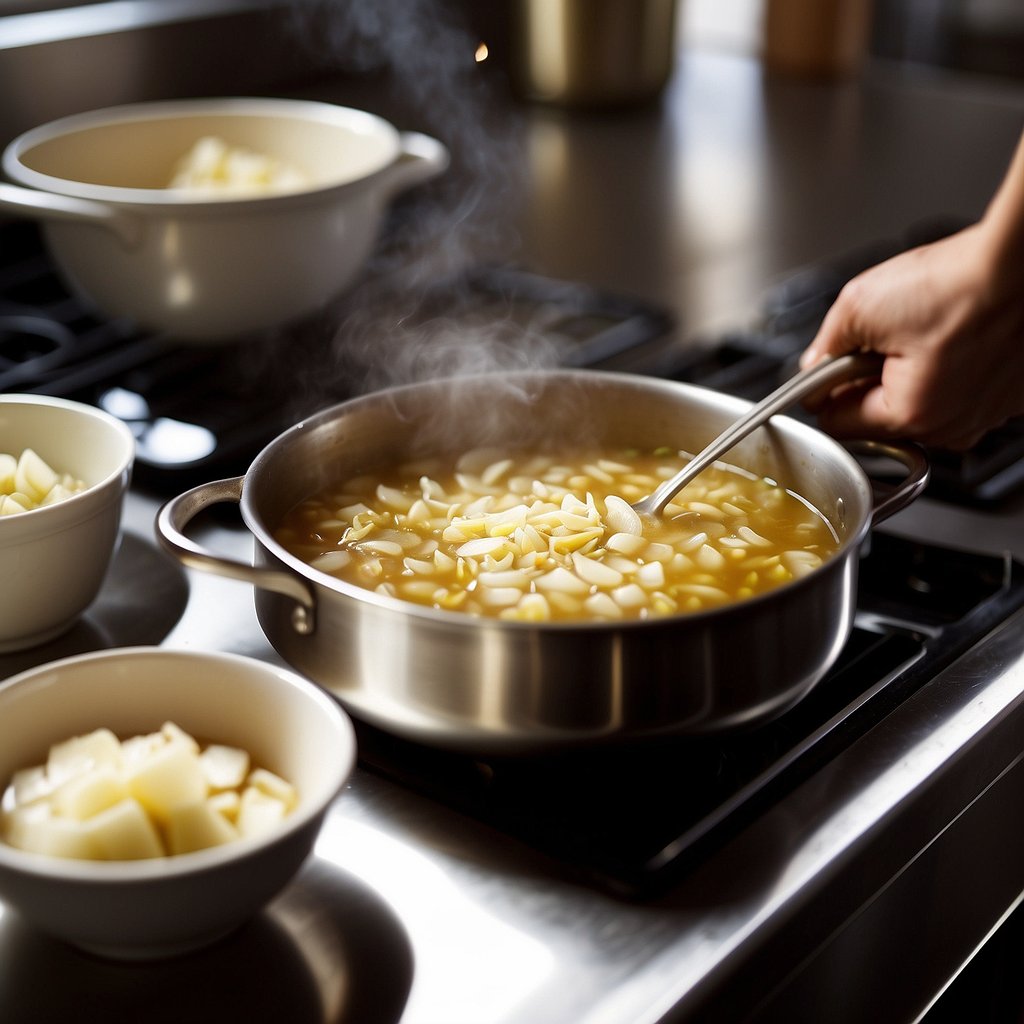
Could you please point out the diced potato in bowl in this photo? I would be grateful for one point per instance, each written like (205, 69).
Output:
(28, 482)
(64, 471)
(152, 795)
(155, 799)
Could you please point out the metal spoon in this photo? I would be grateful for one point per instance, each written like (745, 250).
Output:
(799, 386)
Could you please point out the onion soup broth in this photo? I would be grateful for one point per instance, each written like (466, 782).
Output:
(548, 537)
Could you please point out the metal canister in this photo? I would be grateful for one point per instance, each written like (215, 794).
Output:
(592, 53)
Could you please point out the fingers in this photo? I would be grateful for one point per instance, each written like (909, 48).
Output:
(857, 410)
(864, 411)
(835, 336)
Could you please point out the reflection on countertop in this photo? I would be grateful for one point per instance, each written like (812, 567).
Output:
(328, 950)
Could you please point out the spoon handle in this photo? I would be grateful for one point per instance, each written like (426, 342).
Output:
(828, 371)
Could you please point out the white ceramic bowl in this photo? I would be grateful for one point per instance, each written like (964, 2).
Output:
(53, 559)
(146, 909)
(208, 268)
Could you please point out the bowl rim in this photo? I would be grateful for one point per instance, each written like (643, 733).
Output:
(69, 507)
(166, 199)
(130, 872)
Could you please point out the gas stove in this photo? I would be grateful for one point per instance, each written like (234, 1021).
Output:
(635, 824)
(199, 413)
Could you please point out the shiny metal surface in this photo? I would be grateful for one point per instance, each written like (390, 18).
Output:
(471, 927)
(592, 53)
(485, 685)
(866, 890)
(302, 960)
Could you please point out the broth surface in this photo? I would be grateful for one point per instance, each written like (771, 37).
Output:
(540, 537)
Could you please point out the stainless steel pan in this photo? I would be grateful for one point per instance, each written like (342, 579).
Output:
(446, 679)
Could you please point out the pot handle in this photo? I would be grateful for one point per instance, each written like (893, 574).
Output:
(420, 158)
(913, 457)
(31, 202)
(177, 513)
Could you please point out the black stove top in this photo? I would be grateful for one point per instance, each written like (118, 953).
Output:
(633, 817)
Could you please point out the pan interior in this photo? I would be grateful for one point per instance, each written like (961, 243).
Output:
(547, 411)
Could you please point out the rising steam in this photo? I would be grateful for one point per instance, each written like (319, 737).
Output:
(412, 315)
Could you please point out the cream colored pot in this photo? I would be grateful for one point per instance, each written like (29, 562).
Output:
(205, 266)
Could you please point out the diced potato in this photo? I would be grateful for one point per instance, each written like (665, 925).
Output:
(30, 784)
(102, 799)
(259, 813)
(213, 165)
(138, 748)
(224, 767)
(171, 776)
(56, 837)
(273, 785)
(85, 795)
(82, 753)
(226, 804)
(19, 824)
(175, 734)
(196, 827)
(124, 832)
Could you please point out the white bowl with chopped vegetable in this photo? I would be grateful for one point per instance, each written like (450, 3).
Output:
(155, 799)
(64, 471)
(210, 219)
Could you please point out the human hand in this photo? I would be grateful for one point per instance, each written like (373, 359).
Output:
(949, 319)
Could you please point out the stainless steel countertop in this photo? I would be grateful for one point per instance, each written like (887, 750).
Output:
(410, 912)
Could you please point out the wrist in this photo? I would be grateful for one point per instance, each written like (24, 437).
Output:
(1002, 225)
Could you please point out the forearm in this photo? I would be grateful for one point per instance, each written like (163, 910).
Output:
(1003, 220)
(949, 318)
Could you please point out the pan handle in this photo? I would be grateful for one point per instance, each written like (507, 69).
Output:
(177, 513)
(913, 457)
